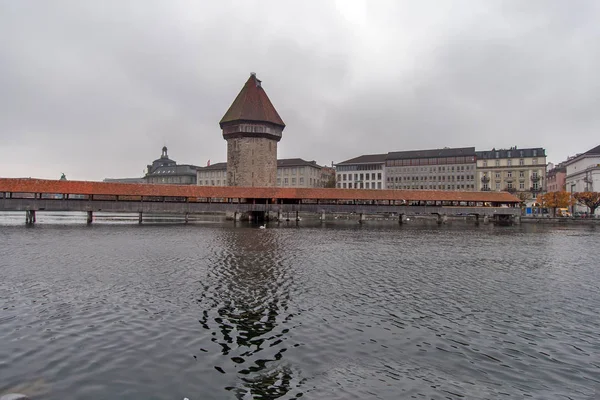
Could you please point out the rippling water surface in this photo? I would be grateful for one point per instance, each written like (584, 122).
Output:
(342, 311)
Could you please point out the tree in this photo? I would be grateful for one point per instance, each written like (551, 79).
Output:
(589, 199)
(330, 182)
(555, 200)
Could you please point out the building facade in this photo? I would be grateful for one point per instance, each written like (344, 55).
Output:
(439, 169)
(583, 174)
(291, 172)
(364, 172)
(212, 175)
(166, 171)
(252, 128)
(296, 172)
(519, 171)
(556, 177)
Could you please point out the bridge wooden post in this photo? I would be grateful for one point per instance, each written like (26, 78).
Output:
(476, 219)
(186, 218)
(29, 217)
(140, 218)
(361, 218)
(486, 219)
(400, 219)
(90, 217)
(297, 217)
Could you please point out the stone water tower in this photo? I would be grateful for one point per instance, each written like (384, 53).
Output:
(252, 128)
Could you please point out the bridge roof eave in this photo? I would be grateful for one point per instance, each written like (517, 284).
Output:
(142, 189)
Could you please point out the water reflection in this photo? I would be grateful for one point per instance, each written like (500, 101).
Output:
(247, 312)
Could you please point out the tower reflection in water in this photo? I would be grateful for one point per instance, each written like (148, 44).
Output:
(247, 311)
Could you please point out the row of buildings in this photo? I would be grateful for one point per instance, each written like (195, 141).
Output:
(291, 172)
(513, 170)
(252, 129)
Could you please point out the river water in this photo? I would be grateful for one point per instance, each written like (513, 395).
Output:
(340, 311)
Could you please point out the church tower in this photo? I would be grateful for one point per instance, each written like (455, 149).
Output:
(252, 129)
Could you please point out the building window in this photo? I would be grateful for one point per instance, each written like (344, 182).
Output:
(497, 175)
(339, 177)
(509, 174)
(521, 162)
(521, 174)
(509, 185)
(485, 163)
(497, 163)
(302, 181)
(378, 185)
(344, 185)
(521, 186)
(278, 181)
(285, 181)
(293, 181)
(497, 185)
(367, 185)
(534, 161)
(509, 162)
(344, 177)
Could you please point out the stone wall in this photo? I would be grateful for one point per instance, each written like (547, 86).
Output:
(251, 161)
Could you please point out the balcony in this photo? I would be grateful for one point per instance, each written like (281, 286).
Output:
(535, 178)
(485, 179)
(535, 190)
(510, 189)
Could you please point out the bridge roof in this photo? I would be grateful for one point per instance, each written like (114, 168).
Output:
(20, 185)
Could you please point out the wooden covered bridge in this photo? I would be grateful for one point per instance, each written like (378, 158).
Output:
(31, 195)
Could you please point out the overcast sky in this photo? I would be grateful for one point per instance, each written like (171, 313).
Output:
(94, 89)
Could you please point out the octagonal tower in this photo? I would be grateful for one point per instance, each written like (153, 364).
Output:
(252, 128)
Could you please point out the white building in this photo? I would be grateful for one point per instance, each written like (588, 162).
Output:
(583, 174)
(364, 172)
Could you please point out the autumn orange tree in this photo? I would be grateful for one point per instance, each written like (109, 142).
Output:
(589, 199)
(555, 200)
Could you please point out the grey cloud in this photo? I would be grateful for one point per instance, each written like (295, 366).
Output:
(95, 89)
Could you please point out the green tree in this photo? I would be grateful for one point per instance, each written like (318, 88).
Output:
(589, 199)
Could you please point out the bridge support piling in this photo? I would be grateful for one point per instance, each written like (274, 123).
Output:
(361, 218)
(29, 217)
(486, 220)
(187, 218)
(90, 217)
(323, 216)
(442, 219)
(476, 219)
(297, 217)
(400, 219)
(279, 216)
(140, 218)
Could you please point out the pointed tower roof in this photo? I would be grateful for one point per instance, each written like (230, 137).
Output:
(252, 104)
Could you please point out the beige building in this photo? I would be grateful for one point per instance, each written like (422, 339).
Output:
(252, 128)
(291, 172)
(296, 172)
(519, 171)
(212, 175)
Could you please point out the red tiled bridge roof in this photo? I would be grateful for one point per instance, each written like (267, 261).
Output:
(129, 189)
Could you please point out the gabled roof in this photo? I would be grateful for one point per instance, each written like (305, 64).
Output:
(214, 167)
(595, 150)
(296, 162)
(252, 104)
(445, 152)
(365, 159)
(514, 153)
